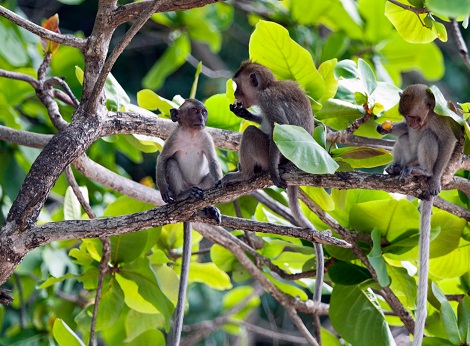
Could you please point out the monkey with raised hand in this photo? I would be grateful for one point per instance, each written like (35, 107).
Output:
(186, 167)
(282, 102)
(424, 147)
(425, 141)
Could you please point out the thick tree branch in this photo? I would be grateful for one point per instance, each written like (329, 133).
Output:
(41, 32)
(461, 45)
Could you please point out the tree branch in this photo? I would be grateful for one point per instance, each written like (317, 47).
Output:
(67, 40)
(461, 45)
(410, 8)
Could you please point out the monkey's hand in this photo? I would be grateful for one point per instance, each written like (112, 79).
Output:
(380, 129)
(241, 112)
(213, 213)
(393, 169)
(168, 196)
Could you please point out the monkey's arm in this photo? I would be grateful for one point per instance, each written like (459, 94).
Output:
(162, 183)
(241, 112)
(398, 129)
(214, 164)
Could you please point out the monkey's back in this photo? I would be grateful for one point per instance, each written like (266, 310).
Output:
(284, 102)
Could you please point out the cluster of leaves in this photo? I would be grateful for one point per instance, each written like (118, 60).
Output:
(140, 289)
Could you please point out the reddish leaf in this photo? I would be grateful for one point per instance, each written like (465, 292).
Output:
(51, 24)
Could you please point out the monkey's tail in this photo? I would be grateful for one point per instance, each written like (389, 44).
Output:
(292, 194)
(177, 324)
(424, 240)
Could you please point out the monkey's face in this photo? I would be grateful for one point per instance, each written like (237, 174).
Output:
(191, 114)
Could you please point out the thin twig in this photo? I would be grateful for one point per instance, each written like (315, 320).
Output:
(67, 40)
(410, 8)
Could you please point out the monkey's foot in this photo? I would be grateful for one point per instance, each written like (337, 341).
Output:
(5, 298)
(196, 192)
(393, 169)
(168, 197)
(278, 181)
(213, 213)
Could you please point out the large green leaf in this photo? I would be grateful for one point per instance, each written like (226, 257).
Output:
(307, 12)
(356, 315)
(150, 337)
(452, 265)
(12, 48)
(403, 285)
(448, 317)
(220, 116)
(449, 8)
(362, 157)
(377, 28)
(170, 61)
(138, 323)
(64, 335)
(451, 228)
(391, 217)
(408, 25)
(141, 289)
(299, 147)
(111, 304)
(327, 71)
(401, 56)
(339, 114)
(150, 100)
(270, 45)
(348, 274)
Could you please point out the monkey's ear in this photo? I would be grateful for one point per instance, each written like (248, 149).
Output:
(174, 114)
(254, 80)
(400, 93)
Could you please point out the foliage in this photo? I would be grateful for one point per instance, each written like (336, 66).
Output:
(352, 71)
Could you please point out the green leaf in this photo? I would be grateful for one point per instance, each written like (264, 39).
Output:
(448, 317)
(401, 56)
(319, 134)
(320, 197)
(111, 304)
(222, 258)
(327, 71)
(449, 8)
(442, 107)
(150, 337)
(408, 25)
(72, 207)
(463, 316)
(377, 261)
(339, 114)
(452, 265)
(12, 48)
(271, 46)
(391, 217)
(192, 94)
(137, 323)
(348, 274)
(128, 247)
(220, 116)
(362, 157)
(432, 341)
(451, 227)
(366, 75)
(299, 147)
(210, 275)
(64, 335)
(377, 27)
(403, 285)
(142, 291)
(116, 96)
(356, 315)
(150, 100)
(170, 61)
(288, 288)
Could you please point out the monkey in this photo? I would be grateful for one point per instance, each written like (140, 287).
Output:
(186, 166)
(282, 102)
(425, 141)
(424, 147)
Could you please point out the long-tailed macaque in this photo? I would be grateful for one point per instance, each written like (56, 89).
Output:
(425, 140)
(424, 147)
(282, 102)
(186, 167)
